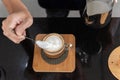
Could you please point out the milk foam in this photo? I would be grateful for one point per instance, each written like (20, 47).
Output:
(52, 43)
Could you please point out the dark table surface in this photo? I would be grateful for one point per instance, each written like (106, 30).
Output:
(16, 59)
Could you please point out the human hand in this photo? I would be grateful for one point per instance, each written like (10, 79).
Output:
(15, 24)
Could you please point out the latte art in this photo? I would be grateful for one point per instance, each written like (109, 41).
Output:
(52, 43)
(55, 43)
(43, 44)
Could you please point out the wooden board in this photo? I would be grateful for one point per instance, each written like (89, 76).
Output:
(68, 65)
(114, 62)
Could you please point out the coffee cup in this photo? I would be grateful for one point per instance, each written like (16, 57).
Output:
(56, 49)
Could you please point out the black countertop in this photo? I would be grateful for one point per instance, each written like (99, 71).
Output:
(16, 59)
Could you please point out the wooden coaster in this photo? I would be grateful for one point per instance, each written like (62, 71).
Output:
(114, 62)
(65, 63)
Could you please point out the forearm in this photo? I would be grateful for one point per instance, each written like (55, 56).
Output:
(14, 5)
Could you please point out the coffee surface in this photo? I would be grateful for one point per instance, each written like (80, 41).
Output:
(55, 43)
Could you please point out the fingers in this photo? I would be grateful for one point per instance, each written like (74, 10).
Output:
(15, 24)
(20, 29)
(8, 31)
(13, 37)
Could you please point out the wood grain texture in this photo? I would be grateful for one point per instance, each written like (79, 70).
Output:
(114, 62)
